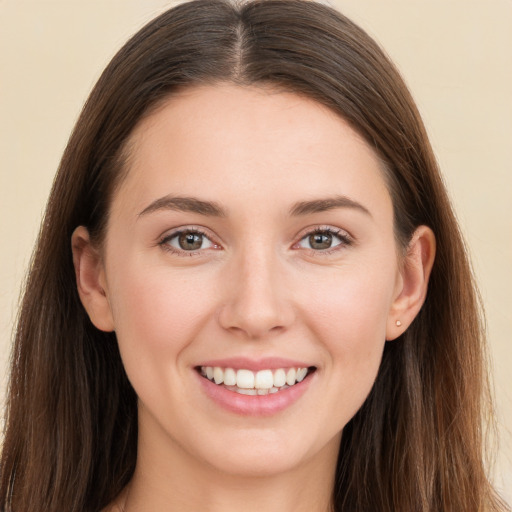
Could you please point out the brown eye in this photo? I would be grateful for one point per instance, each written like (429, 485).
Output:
(320, 241)
(325, 239)
(190, 241)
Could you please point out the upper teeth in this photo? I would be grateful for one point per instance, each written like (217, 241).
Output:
(246, 379)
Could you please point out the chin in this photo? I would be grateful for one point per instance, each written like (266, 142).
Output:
(265, 454)
(256, 463)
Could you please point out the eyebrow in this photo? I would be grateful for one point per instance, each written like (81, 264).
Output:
(213, 209)
(185, 204)
(323, 205)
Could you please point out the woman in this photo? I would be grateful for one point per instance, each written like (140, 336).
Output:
(249, 288)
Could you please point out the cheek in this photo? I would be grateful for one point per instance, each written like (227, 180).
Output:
(349, 319)
(157, 313)
(351, 306)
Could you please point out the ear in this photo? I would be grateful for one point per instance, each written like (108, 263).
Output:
(413, 283)
(90, 280)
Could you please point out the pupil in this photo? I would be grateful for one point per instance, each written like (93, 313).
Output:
(190, 241)
(320, 241)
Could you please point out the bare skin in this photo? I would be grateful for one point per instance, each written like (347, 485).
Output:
(294, 258)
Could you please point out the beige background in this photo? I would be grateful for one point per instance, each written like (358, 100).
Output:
(456, 55)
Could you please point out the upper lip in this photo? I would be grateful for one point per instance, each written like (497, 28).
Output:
(265, 363)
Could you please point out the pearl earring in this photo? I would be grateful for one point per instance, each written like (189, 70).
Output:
(398, 323)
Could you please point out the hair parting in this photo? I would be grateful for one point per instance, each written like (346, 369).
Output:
(417, 443)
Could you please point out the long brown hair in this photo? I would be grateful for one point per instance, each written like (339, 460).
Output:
(416, 444)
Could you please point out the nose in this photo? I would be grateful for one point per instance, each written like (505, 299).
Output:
(256, 300)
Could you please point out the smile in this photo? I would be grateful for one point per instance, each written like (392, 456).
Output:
(262, 382)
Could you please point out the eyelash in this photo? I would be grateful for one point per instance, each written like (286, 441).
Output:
(344, 238)
(164, 242)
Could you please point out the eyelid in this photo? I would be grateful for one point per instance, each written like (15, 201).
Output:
(346, 239)
(163, 240)
(343, 235)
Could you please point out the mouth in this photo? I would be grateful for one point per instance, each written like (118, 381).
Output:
(257, 383)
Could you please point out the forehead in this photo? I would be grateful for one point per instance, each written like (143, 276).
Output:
(247, 143)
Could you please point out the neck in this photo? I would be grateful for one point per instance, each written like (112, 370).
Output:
(275, 494)
(173, 481)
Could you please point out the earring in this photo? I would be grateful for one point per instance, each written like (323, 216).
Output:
(398, 323)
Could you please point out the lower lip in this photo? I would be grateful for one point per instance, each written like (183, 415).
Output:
(255, 405)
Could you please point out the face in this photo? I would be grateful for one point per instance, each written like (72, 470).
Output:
(252, 237)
